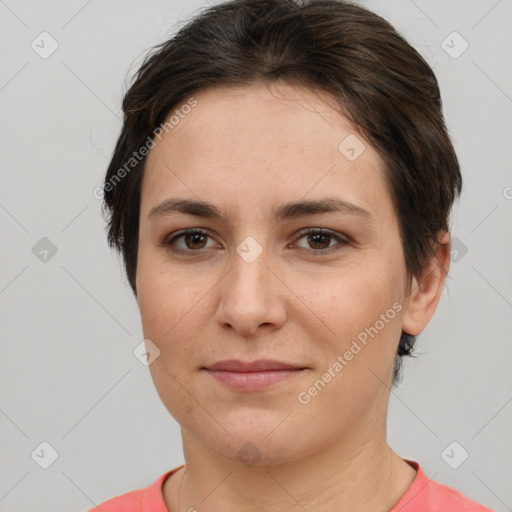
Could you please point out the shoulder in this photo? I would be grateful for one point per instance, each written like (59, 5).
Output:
(442, 495)
(427, 495)
(148, 499)
(129, 502)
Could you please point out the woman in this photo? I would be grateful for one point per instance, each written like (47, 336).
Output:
(280, 194)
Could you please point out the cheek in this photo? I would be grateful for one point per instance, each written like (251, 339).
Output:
(362, 306)
(168, 305)
(172, 302)
(166, 297)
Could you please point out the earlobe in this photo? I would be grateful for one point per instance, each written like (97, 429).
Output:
(427, 289)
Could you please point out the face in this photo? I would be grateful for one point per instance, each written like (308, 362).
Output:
(320, 285)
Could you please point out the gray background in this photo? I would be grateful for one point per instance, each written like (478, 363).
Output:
(69, 323)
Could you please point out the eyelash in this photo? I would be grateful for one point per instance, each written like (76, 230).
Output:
(168, 242)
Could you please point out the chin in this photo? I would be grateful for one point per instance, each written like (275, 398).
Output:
(264, 441)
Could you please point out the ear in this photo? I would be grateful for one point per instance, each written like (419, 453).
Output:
(426, 290)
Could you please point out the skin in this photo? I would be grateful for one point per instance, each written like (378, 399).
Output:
(248, 150)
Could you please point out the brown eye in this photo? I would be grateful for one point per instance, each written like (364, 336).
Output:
(188, 242)
(195, 240)
(320, 241)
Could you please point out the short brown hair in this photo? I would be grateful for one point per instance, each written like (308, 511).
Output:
(381, 83)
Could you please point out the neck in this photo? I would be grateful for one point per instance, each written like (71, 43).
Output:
(363, 476)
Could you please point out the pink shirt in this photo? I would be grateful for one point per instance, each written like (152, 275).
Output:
(423, 495)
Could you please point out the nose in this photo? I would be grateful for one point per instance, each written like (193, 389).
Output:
(252, 295)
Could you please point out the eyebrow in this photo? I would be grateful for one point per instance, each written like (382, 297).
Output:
(282, 212)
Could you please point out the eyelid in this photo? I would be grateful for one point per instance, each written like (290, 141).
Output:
(325, 231)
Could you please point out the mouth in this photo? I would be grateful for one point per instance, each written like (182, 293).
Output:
(253, 376)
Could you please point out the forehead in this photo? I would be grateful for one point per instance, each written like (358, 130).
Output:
(244, 118)
(259, 142)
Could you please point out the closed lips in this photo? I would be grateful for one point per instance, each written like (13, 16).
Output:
(233, 365)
